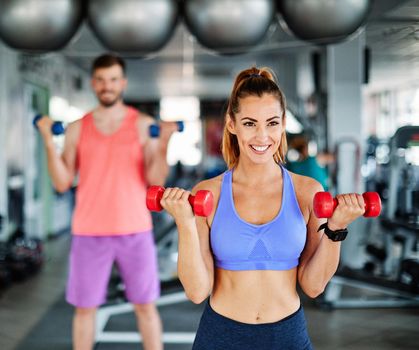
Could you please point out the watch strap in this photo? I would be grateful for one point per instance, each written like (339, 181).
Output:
(335, 236)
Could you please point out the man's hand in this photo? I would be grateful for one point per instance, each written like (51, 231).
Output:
(44, 125)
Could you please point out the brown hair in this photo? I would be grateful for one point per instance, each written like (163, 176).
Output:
(106, 61)
(251, 82)
(300, 144)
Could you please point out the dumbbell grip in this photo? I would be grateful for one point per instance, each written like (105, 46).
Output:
(322, 207)
(159, 195)
(154, 130)
(328, 209)
(191, 199)
(201, 203)
(57, 127)
(335, 204)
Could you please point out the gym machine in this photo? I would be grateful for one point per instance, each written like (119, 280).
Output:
(396, 284)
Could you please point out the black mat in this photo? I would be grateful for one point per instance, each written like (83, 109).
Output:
(53, 331)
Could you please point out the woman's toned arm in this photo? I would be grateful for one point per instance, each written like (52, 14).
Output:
(195, 261)
(320, 257)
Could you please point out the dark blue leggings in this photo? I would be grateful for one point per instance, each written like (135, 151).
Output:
(217, 332)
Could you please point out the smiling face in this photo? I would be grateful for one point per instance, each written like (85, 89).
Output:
(109, 84)
(258, 126)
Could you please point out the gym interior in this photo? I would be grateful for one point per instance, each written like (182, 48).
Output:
(350, 74)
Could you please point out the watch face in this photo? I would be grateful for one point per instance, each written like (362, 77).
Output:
(339, 237)
(335, 236)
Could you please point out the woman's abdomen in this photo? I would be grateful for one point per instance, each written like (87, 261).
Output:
(255, 296)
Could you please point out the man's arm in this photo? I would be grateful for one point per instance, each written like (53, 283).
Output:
(155, 150)
(156, 167)
(61, 168)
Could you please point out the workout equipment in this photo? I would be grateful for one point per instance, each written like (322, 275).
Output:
(39, 25)
(25, 257)
(22, 257)
(400, 221)
(324, 204)
(148, 27)
(57, 128)
(202, 202)
(393, 269)
(5, 273)
(410, 271)
(154, 130)
(385, 293)
(226, 26)
(403, 198)
(323, 21)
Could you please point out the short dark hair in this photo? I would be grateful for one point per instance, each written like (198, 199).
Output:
(108, 60)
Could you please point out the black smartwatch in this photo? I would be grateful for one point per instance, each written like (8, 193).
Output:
(335, 236)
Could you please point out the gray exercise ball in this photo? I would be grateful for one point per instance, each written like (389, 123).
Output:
(39, 25)
(323, 21)
(137, 26)
(229, 26)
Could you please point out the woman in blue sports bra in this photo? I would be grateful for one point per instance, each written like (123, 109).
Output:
(261, 238)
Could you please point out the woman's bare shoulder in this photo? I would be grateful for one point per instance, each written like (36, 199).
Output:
(305, 188)
(305, 184)
(213, 185)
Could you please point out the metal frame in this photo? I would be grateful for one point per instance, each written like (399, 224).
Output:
(106, 312)
(390, 298)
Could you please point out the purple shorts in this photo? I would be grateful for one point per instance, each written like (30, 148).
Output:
(91, 261)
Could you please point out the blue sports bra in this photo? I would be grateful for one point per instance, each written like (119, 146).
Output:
(275, 245)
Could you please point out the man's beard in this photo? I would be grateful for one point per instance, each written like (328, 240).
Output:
(109, 103)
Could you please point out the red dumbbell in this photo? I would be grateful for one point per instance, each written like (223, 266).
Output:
(201, 203)
(324, 204)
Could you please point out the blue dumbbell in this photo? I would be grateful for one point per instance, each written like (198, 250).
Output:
(57, 128)
(154, 130)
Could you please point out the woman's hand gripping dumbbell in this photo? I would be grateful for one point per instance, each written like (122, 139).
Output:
(57, 127)
(201, 202)
(324, 204)
(343, 210)
(154, 129)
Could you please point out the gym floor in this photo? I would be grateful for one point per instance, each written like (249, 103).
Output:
(33, 315)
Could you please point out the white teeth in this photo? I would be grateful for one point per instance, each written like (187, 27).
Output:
(260, 148)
